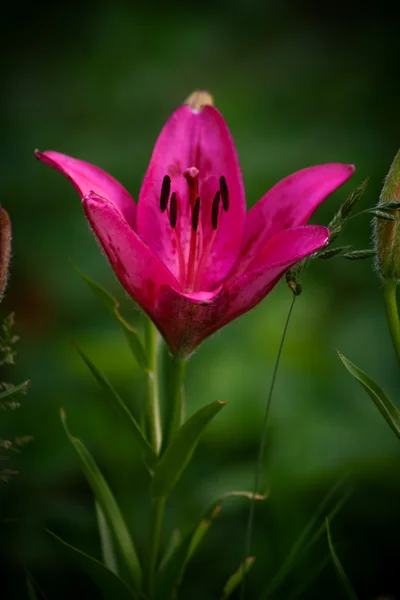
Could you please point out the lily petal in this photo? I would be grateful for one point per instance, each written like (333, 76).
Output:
(282, 251)
(185, 320)
(290, 203)
(198, 139)
(138, 269)
(89, 178)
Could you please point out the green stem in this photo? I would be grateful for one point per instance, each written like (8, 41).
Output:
(392, 314)
(152, 393)
(175, 398)
(156, 519)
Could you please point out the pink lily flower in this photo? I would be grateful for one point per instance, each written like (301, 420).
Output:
(187, 252)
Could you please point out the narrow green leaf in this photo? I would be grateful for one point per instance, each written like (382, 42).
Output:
(112, 305)
(171, 572)
(149, 453)
(109, 507)
(237, 577)
(210, 515)
(30, 588)
(307, 581)
(172, 544)
(344, 580)
(106, 541)
(381, 400)
(13, 391)
(306, 540)
(180, 450)
(111, 586)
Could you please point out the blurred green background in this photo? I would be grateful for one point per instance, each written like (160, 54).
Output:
(299, 84)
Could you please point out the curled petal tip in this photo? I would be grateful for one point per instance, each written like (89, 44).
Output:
(198, 100)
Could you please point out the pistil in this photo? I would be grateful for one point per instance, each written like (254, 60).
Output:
(189, 275)
(192, 177)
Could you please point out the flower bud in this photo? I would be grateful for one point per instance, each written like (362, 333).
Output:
(387, 231)
(198, 99)
(5, 249)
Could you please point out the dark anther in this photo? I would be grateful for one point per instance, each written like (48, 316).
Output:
(196, 214)
(215, 210)
(224, 193)
(173, 210)
(165, 190)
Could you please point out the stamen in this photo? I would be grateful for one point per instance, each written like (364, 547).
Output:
(173, 210)
(196, 214)
(192, 177)
(215, 210)
(165, 190)
(224, 193)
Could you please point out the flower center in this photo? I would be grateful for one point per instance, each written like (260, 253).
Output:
(193, 262)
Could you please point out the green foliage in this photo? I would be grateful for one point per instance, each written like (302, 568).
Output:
(310, 535)
(148, 452)
(336, 227)
(110, 508)
(173, 566)
(111, 304)
(110, 585)
(383, 403)
(235, 580)
(180, 450)
(8, 394)
(344, 580)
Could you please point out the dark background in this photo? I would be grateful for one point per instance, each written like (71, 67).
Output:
(299, 84)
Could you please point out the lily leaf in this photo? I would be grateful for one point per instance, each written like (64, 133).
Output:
(112, 305)
(237, 577)
(109, 507)
(106, 541)
(171, 572)
(180, 450)
(111, 585)
(308, 537)
(381, 400)
(30, 586)
(149, 453)
(344, 580)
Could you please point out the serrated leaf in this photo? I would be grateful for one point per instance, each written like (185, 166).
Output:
(112, 305)
(381, 400)
(171, 573)
(111, 586)
(237, 577)
(344, 580)
(149, 453)
(180, 450)
(109, 507)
